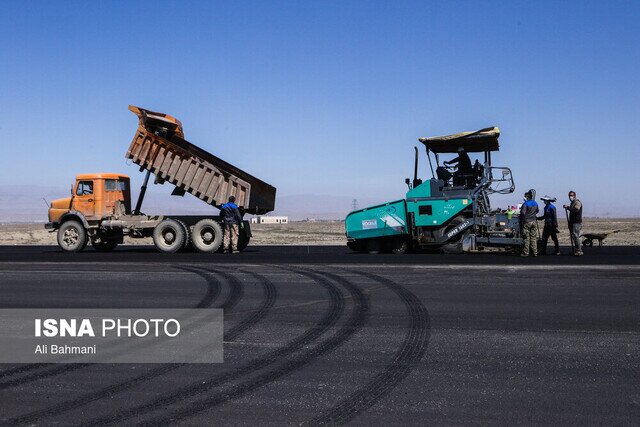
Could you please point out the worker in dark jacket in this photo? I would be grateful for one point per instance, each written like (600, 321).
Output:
(231, 218)
(575, 222)
(550, 225)
(463, 163)
(528, 224)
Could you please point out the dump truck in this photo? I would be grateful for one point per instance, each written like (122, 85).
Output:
(450, 212)
(100, 211)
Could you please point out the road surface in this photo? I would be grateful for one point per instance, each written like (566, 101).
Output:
(319, 335)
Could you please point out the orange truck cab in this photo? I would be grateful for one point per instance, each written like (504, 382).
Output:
(94, 197)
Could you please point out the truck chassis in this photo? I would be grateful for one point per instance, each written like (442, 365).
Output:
(170, 233)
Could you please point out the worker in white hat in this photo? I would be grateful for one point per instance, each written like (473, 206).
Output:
(550, 225)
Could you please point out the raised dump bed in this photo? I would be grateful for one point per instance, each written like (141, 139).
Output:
(159, 146)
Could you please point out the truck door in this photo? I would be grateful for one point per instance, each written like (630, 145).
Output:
(84, 198)
(110, 196)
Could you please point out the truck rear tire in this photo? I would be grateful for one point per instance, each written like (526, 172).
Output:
(187, 236)
(207, 235)
(72, 236)
(169, 236)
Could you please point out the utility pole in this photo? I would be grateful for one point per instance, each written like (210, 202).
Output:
(354, 204)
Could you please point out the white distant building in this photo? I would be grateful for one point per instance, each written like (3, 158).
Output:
(269, 219)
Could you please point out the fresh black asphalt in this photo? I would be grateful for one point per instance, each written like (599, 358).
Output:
(605, 255)
(320, 335)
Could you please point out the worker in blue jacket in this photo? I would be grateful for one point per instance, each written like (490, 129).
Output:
(528, 224)
(550, 225)
(232, 219)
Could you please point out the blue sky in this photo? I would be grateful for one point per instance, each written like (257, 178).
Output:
(328, 97)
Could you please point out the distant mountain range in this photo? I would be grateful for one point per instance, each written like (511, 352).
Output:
(24, 203)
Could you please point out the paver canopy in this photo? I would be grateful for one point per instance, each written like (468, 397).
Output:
(473, 142)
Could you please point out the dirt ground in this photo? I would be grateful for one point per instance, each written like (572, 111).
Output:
(293, 233)
(324, 233)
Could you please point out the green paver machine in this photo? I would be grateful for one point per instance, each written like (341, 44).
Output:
(451, 212)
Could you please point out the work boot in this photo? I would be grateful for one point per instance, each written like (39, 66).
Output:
(558, 252)
(524, 255)
(236, 252)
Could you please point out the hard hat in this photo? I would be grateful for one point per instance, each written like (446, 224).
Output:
(548, 199)
(460, 149)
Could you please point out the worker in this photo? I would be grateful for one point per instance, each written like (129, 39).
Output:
(463, 167)
(528, 224)
(574, 210)
(232, 220)
(550, 225)
(510, 211)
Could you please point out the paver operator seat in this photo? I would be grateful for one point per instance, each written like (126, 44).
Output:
(481, 141)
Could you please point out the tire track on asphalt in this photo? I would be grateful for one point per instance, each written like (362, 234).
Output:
(406, 358)
(236, 292)
(270, 295)
(213, 291)
(356, 320)
(329, 319)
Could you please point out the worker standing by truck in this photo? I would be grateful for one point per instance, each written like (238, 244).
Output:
(528, 224)
(550, 225)
(574, 210)
(232, 220)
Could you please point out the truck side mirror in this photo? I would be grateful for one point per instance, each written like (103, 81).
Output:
(408, 182)
(71, 189)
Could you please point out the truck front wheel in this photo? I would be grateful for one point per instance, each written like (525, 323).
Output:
(207, 235)
(169, 236)
(72, 236)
